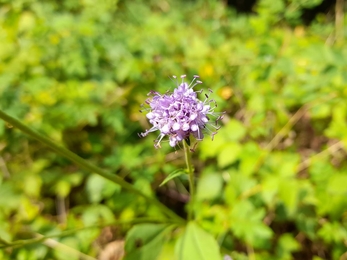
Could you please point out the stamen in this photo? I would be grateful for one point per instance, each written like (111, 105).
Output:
(213, 134)
(193, 149)
(174, 77)
(152, 92)
(196, 83)
(182, 77)
(192, 83)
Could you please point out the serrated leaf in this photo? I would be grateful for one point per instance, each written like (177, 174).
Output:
(173, 175)
(247, 223)
(145, 241)
(196, 243)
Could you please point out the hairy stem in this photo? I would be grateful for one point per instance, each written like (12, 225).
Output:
(87, 165)
(188, 157)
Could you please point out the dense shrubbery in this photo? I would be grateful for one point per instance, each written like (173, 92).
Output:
(272, 184)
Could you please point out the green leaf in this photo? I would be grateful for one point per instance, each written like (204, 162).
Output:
(238, 184)
(173, 175)
(227, 139)
(209, 186)
(249, 158)
(288, 243)
(337, 185)
(145, 241)
(332, 232)
(247, 223)
(5, 234)
(229, 154)
(196, 243)
(62, 188)
(99, 188)
(2, 127)
(235, 130)
(288, 193)
(94, 214)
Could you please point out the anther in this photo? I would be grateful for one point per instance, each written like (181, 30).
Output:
(213, 134)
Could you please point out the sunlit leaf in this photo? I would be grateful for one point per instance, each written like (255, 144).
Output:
(196, 243)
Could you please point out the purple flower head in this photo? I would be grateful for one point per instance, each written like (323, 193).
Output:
(181, 113)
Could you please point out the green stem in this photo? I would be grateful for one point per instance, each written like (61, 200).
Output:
(86, 165)
(188, 157)
(38, 238)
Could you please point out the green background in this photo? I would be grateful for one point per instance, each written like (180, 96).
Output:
(272, 184)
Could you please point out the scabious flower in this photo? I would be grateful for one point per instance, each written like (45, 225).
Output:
(180, 114)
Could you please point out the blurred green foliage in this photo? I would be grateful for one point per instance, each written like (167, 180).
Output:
(273, 183)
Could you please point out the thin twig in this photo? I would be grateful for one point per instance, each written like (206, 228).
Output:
(331, 149)
(59, 246)
(30, 241)
(339, 20)
(286, 128)
(61, 209)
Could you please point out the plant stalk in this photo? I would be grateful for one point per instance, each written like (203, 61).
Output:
(38, 238)
(87, 165)
(188, 158)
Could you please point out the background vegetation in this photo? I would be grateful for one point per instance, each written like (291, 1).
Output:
(273, 183)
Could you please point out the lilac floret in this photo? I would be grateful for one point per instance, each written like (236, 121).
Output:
(180, 114)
